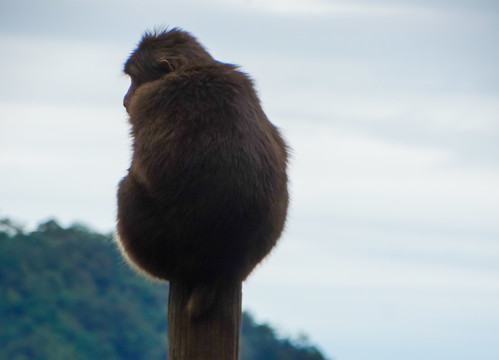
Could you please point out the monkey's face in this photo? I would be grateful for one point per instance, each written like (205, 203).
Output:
(151, 69)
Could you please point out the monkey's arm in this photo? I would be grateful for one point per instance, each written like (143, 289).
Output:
(143, 236)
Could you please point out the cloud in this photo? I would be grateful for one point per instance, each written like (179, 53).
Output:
(348, 175)
(56, 71)
(62, 161)
(331, 8)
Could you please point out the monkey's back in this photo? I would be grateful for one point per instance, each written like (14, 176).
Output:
(214, 166)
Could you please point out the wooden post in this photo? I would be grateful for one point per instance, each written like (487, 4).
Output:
(212, 337)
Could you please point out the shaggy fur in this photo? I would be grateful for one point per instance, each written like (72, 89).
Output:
(205, 198)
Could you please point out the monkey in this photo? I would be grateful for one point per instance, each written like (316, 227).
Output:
(205, 198)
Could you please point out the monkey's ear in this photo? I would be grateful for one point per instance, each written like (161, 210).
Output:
(165, 65)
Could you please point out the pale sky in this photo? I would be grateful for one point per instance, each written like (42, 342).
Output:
(391, 249)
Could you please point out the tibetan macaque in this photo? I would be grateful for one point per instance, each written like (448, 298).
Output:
(205, 198)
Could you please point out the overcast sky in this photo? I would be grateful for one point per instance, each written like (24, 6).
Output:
(391, 107)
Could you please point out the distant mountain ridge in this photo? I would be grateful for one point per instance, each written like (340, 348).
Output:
(65, 293)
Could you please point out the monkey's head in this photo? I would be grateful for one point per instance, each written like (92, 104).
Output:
(161, 53)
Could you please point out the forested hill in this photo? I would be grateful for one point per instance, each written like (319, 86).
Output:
(65, 293)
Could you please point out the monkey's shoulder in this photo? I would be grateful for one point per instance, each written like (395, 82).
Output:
(215, 72)
(213, 82)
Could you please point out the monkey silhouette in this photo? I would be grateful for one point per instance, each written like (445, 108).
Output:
(205, 198)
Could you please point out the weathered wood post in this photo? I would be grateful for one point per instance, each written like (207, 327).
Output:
(214, 336)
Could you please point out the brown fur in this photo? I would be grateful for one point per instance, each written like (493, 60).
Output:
(205, 198)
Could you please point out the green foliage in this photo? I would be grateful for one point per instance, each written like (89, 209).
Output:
(67, 294)
(259, 342)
